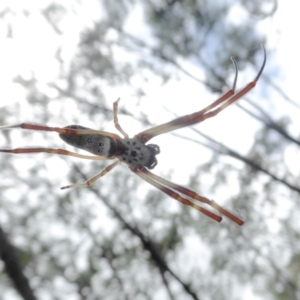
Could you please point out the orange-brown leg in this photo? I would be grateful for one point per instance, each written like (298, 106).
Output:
(116, 120)
(144, 175)
(205, 113)
(60, 129)
(184, 191)
(52, 151)
(93, 179)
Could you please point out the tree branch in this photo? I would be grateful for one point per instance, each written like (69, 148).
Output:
(14, 268)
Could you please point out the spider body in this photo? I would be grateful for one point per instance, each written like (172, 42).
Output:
(134, 151)
(128, 150)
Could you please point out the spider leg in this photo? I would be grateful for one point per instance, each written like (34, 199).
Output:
(191, 194)
(52, 151)
(60, 130)
(207, 112)
(90, 181)
(144, 174)
(116, 120)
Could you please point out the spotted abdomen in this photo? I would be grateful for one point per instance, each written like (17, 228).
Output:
(93, 143)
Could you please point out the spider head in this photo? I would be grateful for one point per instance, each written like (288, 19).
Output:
(154, 149)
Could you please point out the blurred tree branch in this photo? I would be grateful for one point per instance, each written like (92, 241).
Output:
(14, 268)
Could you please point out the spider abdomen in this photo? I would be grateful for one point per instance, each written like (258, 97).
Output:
(137, 154)
(94, 143)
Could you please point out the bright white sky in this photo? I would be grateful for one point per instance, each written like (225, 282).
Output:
(34, 45)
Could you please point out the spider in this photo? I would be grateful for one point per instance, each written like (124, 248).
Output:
(135, 153)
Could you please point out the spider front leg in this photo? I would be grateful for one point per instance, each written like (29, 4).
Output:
(169, 187)
(143, 174)
(208, 112)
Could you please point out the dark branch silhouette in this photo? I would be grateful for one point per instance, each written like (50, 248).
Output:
(222, 149)
(14, 268)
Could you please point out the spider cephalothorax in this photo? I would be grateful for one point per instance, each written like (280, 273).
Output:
(134, 151)
(136, 154)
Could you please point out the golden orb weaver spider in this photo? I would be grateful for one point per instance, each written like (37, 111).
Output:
(134, 151)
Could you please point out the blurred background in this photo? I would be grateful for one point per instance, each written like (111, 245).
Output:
(66, 62)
